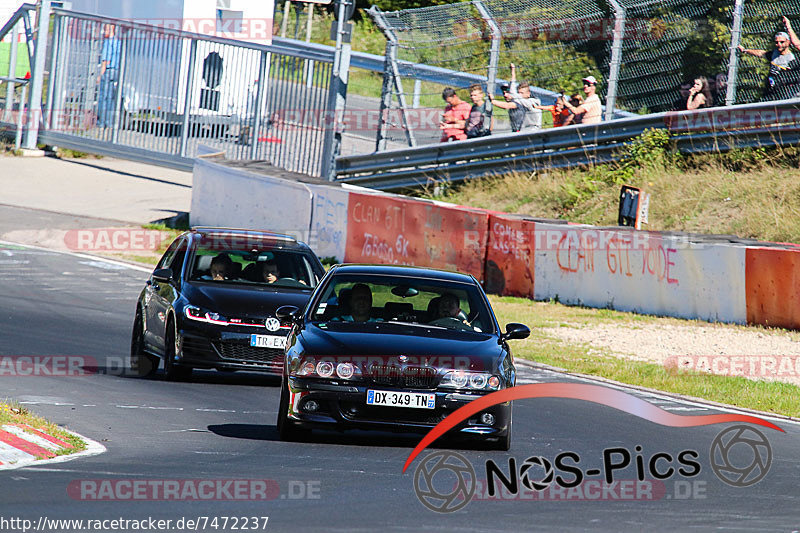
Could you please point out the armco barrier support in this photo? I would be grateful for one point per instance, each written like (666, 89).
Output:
(773, 287)
(328, 231)
(235, 198)
(400, 230)
(640, 271)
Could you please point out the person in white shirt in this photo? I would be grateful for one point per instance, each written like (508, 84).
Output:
(591, 110)
(523, 109)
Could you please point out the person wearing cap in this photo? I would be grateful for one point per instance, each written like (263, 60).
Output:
(591, 110)
(780, 59)
(524, 111)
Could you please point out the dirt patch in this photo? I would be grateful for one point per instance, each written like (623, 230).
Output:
(729, 350)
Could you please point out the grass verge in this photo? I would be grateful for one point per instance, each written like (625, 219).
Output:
(14, 413)
(770, 396)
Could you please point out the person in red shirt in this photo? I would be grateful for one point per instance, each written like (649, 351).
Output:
(455, 117)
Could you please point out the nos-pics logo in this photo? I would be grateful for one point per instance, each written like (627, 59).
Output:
(446, 481)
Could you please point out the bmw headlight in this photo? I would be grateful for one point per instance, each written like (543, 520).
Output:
(461, 379)
(327, 369)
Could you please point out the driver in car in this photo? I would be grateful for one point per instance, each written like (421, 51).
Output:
(449, 313)
(360, 305)
(221, 267)
(270, 272)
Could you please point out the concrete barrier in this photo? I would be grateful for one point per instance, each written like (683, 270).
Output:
(645, 272)
(237, 198)
(400, 230)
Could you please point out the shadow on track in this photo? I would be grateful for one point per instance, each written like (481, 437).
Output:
(373, 439)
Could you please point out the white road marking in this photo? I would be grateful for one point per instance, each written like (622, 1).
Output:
(82, 256)
(216, 410)
(149, 407)
(103, 265)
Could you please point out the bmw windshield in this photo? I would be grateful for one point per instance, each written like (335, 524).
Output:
(377, 299)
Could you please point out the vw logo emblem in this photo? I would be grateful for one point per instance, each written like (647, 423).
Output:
(272, 324)
(402, 358)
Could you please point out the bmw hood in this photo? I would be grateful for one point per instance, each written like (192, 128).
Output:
(243, 301)
(478, 351)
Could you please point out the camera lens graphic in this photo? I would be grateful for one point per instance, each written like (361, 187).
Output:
(740, 456)
(456, 486)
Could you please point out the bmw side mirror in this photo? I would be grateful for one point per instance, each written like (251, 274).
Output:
(515, 331)
(163, 275)
(287, 314)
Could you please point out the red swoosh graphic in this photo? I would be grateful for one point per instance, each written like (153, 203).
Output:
(579, 391)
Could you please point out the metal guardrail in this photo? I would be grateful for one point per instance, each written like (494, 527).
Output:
(707, 130)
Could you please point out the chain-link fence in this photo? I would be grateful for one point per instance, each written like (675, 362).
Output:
(646, 53)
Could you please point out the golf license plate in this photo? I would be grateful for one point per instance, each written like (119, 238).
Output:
(415, 400)
(268, 341)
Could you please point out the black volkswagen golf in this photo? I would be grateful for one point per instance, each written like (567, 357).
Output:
(395, 348)
(211, 301)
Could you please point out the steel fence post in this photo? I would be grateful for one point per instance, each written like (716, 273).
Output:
(494, 51)
(733, 63)
(616, 58)
(392, 64)
(187, 97)
(12, 72)
(21, 117)
(51, 80)
(37, 76)
(120, 82)
(260, 103)
(337, 97)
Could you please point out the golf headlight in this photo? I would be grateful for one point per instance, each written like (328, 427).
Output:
(461, 379)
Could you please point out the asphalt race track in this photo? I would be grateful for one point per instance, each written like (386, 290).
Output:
(220, 427)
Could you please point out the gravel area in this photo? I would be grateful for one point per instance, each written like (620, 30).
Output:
(749, 352)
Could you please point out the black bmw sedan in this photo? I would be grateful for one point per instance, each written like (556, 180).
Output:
(211, 301)
(395, 348)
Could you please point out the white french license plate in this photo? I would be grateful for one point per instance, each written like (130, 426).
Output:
(268, 341)
(416, 400)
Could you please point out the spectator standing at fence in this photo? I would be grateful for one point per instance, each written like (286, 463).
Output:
(591, 110)
(780, 63)
(558, 111)
(570, 118)
(108, 77)
(524, 111)
(699, 94)
(480, 122)
(455, 117)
